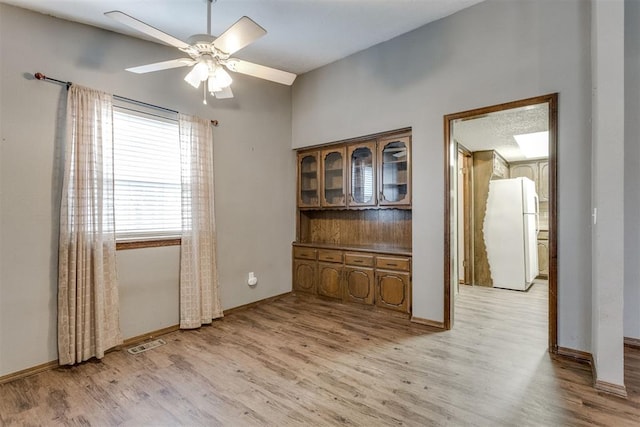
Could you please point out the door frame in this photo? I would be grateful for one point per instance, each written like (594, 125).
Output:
(467, 209)
(450, 147)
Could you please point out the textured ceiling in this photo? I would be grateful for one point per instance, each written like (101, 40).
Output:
(495, 131)
(302, 34)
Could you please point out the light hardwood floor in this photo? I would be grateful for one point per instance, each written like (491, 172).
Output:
(304, 361)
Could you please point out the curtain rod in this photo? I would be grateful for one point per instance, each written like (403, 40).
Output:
(40, 76)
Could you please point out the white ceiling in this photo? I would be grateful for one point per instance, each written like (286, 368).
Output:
(302, 34)
(495, 131)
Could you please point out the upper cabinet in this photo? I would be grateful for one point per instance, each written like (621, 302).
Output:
(334, 178)
(356, 175)
(362, 174)
(308, 180)
(394, 172)
(537, 171)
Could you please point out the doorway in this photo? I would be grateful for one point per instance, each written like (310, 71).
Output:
(499, 159)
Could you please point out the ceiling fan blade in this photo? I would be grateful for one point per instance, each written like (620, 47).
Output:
(260, 71)
(136, 24)
(239, 35)
(164, 65)
(224, 93)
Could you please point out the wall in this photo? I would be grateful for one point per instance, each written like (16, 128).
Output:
(607, 142)
(254, 173)
(494, 52)
(632, 170)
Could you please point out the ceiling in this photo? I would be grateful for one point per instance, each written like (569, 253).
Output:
(302, 34)
(495, 131)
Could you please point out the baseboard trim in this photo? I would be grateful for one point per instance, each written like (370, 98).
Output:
(427, 322)
(585, 357)
(578, 355)
(128, 342)
(29, 371)
(148, 336)
(255, 303)
(609, 388)
(632, 342)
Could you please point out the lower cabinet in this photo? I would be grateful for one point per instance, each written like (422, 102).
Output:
(368, 278)
(304, 275)
(543, 258)
(330, 280)
(392, 290)
(359, 285)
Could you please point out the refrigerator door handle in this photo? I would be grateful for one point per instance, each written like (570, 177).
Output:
(535, 196)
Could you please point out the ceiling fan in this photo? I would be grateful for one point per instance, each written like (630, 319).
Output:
(209, 55)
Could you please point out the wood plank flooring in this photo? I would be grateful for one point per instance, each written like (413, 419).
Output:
(304, 361)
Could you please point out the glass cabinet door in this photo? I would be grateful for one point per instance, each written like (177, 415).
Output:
(395, 174)
(333, 178)
(308, 173)
(362, 174)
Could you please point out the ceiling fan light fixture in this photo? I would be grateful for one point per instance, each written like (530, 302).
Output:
(222, 78)
(198, 73)
(212, 85)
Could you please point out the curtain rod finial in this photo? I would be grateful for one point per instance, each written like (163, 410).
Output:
(39, 76)
(214, 123)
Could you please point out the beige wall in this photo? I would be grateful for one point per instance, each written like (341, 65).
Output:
(254, 173)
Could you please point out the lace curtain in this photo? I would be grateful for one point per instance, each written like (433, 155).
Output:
(88, 310)
(199, 299)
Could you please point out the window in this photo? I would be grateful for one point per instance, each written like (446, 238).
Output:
(146, 175)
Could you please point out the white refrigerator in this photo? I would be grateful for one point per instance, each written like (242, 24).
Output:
(511, 233)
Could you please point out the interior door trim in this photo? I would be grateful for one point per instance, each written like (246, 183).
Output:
(449, 145)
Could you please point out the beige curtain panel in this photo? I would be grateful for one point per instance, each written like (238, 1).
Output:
(88, 311)
(199, 299)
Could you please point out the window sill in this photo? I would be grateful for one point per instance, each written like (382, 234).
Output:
(139, 244)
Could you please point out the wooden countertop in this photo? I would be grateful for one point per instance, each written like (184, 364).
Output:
(383, 249)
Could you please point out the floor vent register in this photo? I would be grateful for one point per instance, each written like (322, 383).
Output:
(141, 348)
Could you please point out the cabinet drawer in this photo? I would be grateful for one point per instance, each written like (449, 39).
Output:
(393, 263)
(359, 259)
(304, 253)
(329, 256)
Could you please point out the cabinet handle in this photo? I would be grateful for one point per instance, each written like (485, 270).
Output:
(358, 261)
(329, 257)
(392, 264)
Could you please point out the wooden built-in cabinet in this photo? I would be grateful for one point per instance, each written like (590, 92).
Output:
(359, 278)
(394, 172)
(334, 178)
(308, 180)
(365, 174)
(330, 273)
(362, 174)
(353, 225)
(381, 279)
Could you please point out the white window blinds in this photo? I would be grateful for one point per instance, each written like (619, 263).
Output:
(147, 175)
